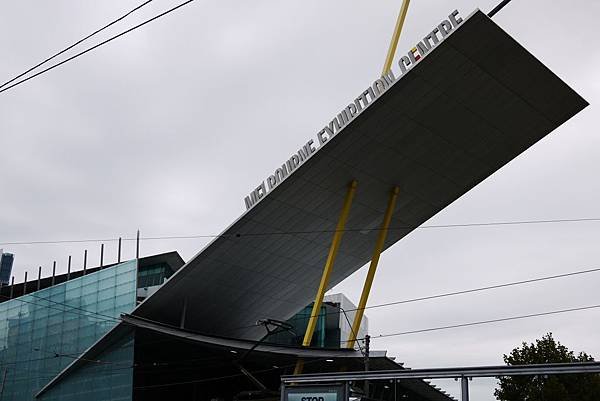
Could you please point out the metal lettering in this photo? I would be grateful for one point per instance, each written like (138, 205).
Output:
(404, 63)
(336, 123)
(248, 202)
(351, 110)
(422, 48)
(434, 37)
(390, 78)
(344, 115)
(357, 103)
(379, 86)
(371, 93)
(320, 137)
(445, 27)
(455, 21)
(303, 153)
(295, 161)
(329, 130)
(411, 55)
(271, 181)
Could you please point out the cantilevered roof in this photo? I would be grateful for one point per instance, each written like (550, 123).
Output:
(474, 103)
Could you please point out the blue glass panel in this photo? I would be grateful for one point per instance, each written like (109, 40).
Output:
(42, 332)
(112, 379)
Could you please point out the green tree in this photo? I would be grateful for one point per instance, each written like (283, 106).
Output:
(583, 387)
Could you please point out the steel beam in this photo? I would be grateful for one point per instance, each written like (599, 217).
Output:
(333, 250)
(395, 37)
(451, 373)
(379, 244)
(464, 389)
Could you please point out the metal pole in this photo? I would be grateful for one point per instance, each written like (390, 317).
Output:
(333, 250)
(25, 284)
(119, 252)
(137, 245)
(395, 37)
(464, 389)
(39, 277)
(367, 351)
(12, 286)
(69, 269)
(84, 261)
(101, 255)
(53, 271)
(379, 244)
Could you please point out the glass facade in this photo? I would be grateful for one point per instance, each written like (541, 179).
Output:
(327, 331)
(112, 379)
(6, 262)
(156, 274)
(42, 332)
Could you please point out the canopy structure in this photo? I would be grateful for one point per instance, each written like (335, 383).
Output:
(473, 104)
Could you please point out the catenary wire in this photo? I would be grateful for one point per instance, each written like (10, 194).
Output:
(382, 336)
(4, 89)
(88, 313)
(111, 319)
(216, 378)
(468, 291)
(76, 43)
(242, 235)
(114, 320)
(372, 337)
(481, 322)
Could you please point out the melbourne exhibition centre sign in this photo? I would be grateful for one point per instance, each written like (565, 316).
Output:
(349, 113)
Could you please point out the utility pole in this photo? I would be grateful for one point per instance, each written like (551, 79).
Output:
(464, 388)
(367, 349)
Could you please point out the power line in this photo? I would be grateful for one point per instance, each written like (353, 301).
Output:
(505, 319)
(76, 43)
(95, 46)
(273, 233)
(216, 378)
(499, 7)
(468, 291)
(103, 317)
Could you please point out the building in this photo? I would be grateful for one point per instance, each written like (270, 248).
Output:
(333, 326)
(45, 326)
(471, 104)
(6, 263)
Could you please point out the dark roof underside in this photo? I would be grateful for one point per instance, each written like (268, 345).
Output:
(473, 104)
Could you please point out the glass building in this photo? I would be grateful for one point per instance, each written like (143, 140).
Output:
(334, 324)
(6, 263)
(47, 328)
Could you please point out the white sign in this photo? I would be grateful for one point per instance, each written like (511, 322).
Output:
(333, 396)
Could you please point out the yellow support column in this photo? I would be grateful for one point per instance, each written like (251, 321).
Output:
(395, 37)
(387, 218)
(333, 250)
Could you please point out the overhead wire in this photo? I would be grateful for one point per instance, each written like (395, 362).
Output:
(87, 314)
(8, 87)
(468, 291)
(299, 232)
(76, 43)
(480, 322)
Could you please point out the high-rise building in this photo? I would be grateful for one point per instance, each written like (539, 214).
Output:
(6, 263)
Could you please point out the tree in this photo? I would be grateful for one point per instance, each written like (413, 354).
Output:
(581, 387)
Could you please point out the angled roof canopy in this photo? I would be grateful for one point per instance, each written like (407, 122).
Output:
(473, 104)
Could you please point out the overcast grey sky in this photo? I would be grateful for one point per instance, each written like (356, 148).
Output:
(168, 128)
